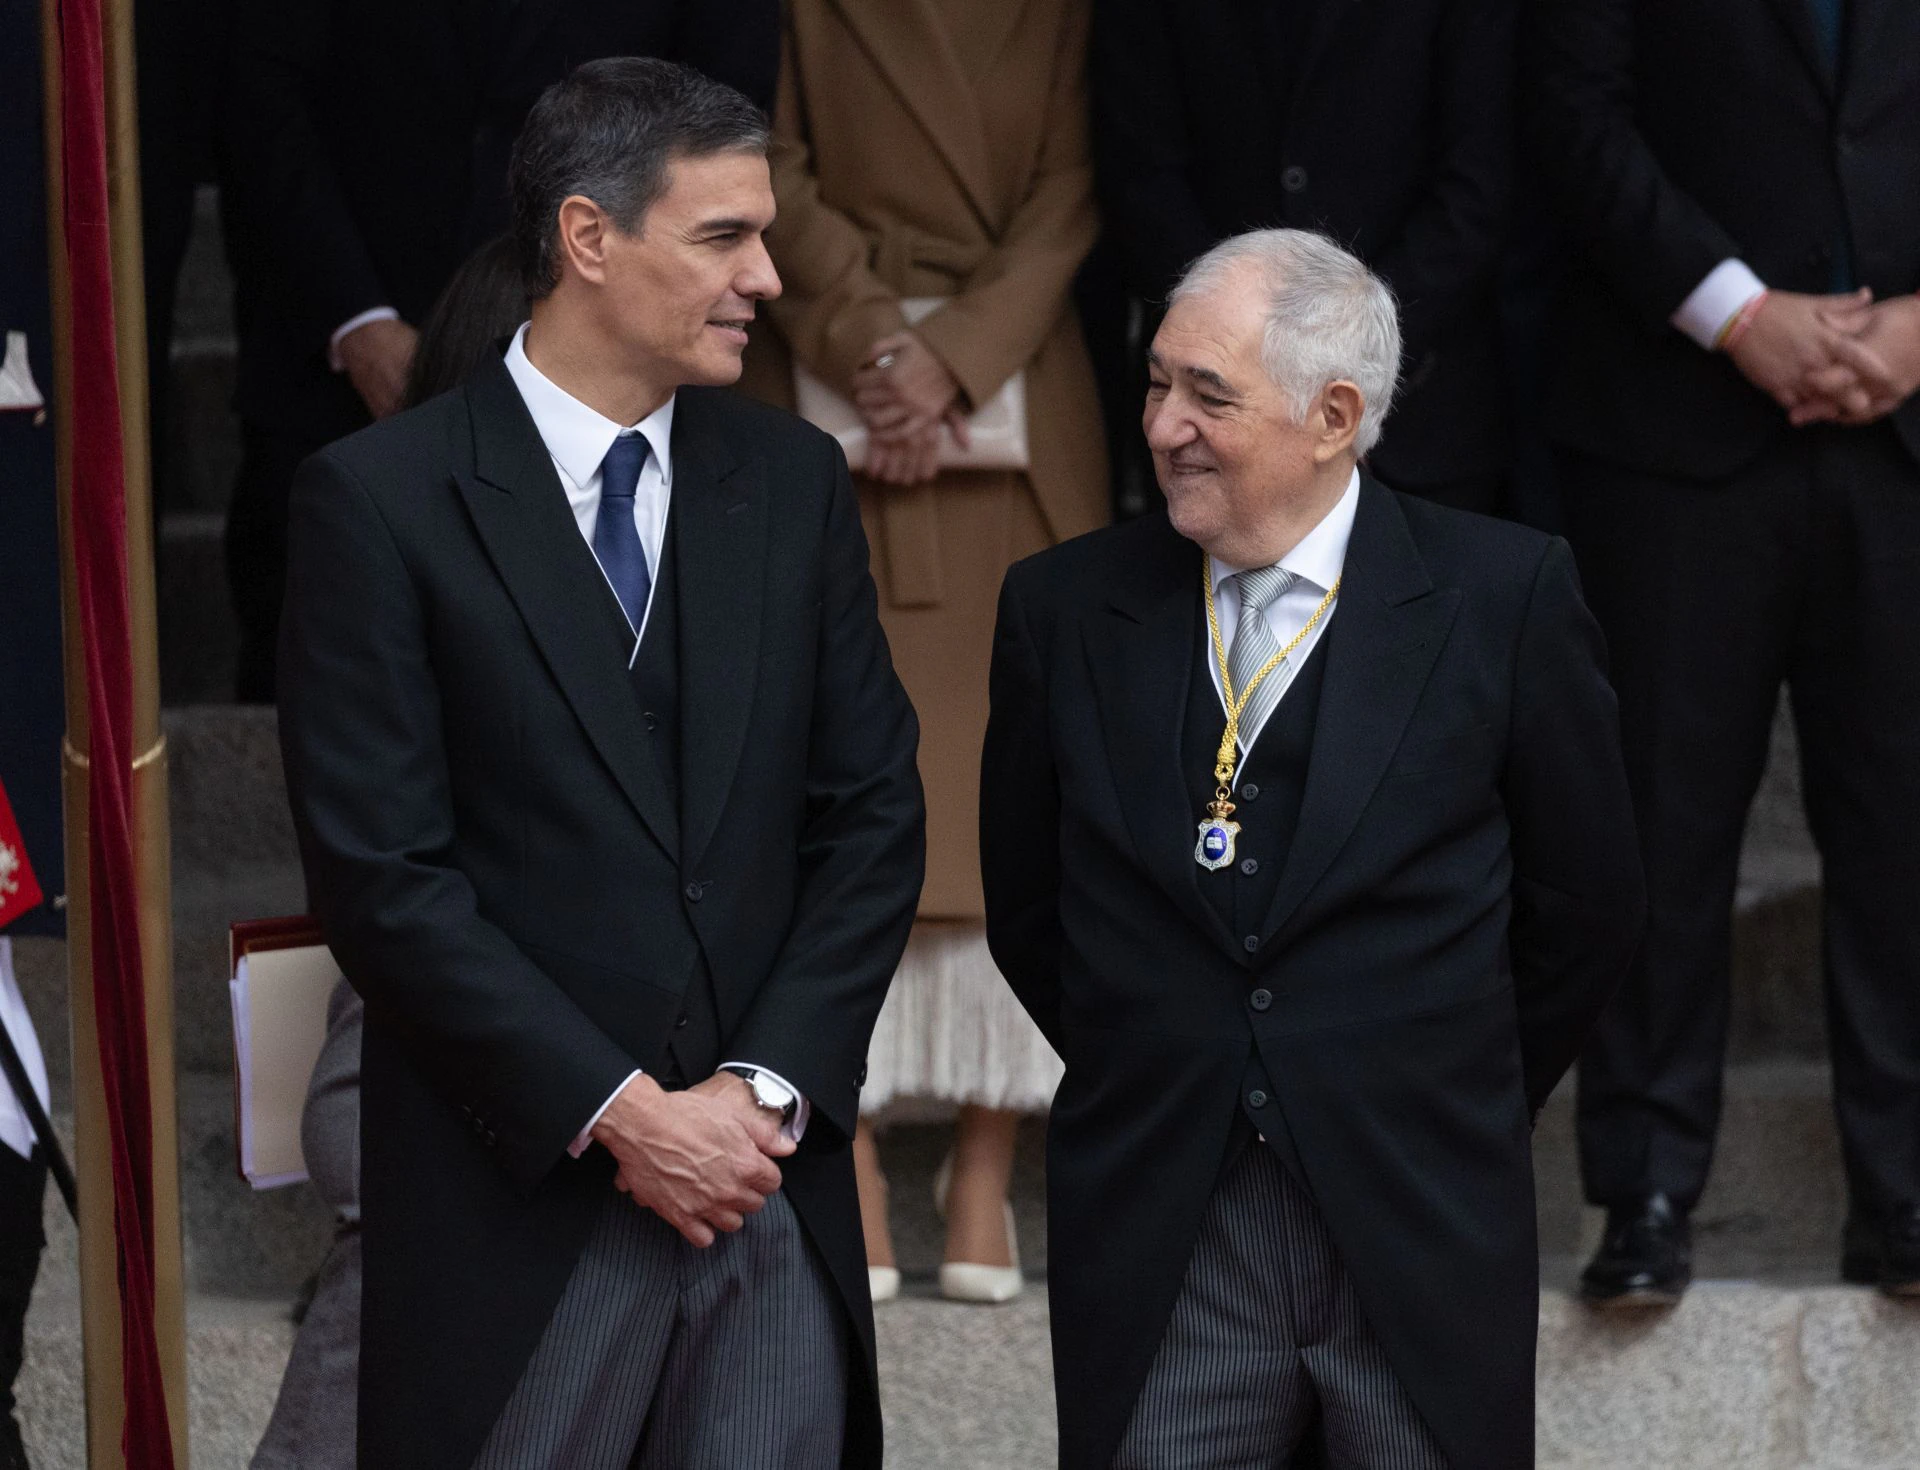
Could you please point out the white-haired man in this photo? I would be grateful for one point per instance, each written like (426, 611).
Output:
(1307, 843)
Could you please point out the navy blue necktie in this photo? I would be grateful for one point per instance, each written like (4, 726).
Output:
(616, 542)
(1829, 25)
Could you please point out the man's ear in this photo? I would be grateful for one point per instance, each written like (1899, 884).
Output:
(1338, 420)
(582, 232)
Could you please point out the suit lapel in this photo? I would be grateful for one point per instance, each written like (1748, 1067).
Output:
(527, 527)
(720, 507)
(911, 49)
(1386, 634)
(1141, 652)
(1797, 17)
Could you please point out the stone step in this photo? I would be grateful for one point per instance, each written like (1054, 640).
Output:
(1738, 1377)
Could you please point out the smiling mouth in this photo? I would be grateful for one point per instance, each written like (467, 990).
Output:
(733, 324)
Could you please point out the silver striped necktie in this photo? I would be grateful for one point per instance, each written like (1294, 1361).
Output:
(1254, 644)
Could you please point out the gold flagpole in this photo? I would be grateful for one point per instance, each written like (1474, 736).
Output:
(99, 1280)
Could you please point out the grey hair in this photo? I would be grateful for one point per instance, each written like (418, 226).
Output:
(608, 131)
(1327, 318)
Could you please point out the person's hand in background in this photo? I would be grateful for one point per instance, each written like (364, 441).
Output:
(1879, 363)
(376, 357)
(1791, 341)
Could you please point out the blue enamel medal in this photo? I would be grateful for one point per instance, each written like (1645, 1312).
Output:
(1215, 848)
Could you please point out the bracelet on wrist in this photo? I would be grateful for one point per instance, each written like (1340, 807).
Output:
(1737, 324)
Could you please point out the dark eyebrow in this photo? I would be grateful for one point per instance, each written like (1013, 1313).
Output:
(724, 226)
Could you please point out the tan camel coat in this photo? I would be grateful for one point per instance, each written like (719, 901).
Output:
(939, 148)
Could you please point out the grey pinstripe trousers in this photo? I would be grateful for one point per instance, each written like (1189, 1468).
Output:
(663, 1356)
(1266, 1327)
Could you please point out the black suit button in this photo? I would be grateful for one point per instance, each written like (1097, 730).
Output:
(695, 892)
(1251, 942)
(1249, 792)
(861, 1080)
(1294, 179)
(652, 720)
(1260, 1000)
(1256, 1099)
(1249, 866)
(680, 1021)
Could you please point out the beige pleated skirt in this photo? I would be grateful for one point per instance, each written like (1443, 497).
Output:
(951, 1033)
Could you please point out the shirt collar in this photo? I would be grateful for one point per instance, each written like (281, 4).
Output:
(1321, 554)
(576, 436)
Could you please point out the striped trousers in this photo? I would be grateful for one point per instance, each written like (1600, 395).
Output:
(1268, 1332)
(664, 1356)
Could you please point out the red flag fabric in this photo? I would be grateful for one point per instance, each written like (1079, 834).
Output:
(19, 891)
(99, 521)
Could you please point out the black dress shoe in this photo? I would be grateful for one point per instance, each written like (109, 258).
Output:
(1646, 1258)
(1887, 1256)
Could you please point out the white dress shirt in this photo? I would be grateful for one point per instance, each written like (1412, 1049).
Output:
(1316, 564)
(577, 439)
(1721, 295)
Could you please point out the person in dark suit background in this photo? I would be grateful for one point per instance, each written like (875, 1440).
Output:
(1739, 459)
(366, 146)
(607, 799)
(1389, 128)
(1289, 1172)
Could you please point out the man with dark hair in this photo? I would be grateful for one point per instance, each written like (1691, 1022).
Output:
(366, 149)
(606, 794)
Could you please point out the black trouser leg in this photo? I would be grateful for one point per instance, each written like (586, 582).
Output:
(23, 1187)
(256, 552)
(1696, 586)
(1856, 688)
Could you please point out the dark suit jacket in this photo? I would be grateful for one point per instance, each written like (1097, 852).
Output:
(1461, 895)
(1680, 134)
(1388, 126)
(505, 877)
(367, 145)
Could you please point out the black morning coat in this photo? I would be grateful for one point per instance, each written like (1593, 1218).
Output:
(1461, 895)
(502, 872)
(1680, 135)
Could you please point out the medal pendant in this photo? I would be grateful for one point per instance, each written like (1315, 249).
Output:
(1215, 848)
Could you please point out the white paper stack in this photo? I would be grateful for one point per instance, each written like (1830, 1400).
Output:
(279, 1024)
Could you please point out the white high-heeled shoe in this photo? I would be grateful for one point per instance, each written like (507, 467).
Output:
(968, 1281)
(883, 1283)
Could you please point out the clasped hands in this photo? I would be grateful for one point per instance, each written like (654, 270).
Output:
(906, 395)
(702, 1160)
(1832, 359)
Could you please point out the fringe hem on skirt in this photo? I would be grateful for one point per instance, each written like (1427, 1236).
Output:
(952, 1032)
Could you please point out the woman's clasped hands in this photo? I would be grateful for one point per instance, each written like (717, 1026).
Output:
(907, 396)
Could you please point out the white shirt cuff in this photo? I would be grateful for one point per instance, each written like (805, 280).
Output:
(353, 324)
(796, 1126)
(581, 1143)
(1728, 287)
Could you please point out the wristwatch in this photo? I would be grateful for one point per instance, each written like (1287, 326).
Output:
(769, 1092)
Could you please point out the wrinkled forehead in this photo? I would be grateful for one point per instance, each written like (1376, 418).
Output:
(1212, 334)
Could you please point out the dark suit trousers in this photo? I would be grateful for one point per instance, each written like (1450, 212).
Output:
(256, 551)
(1803, 567)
